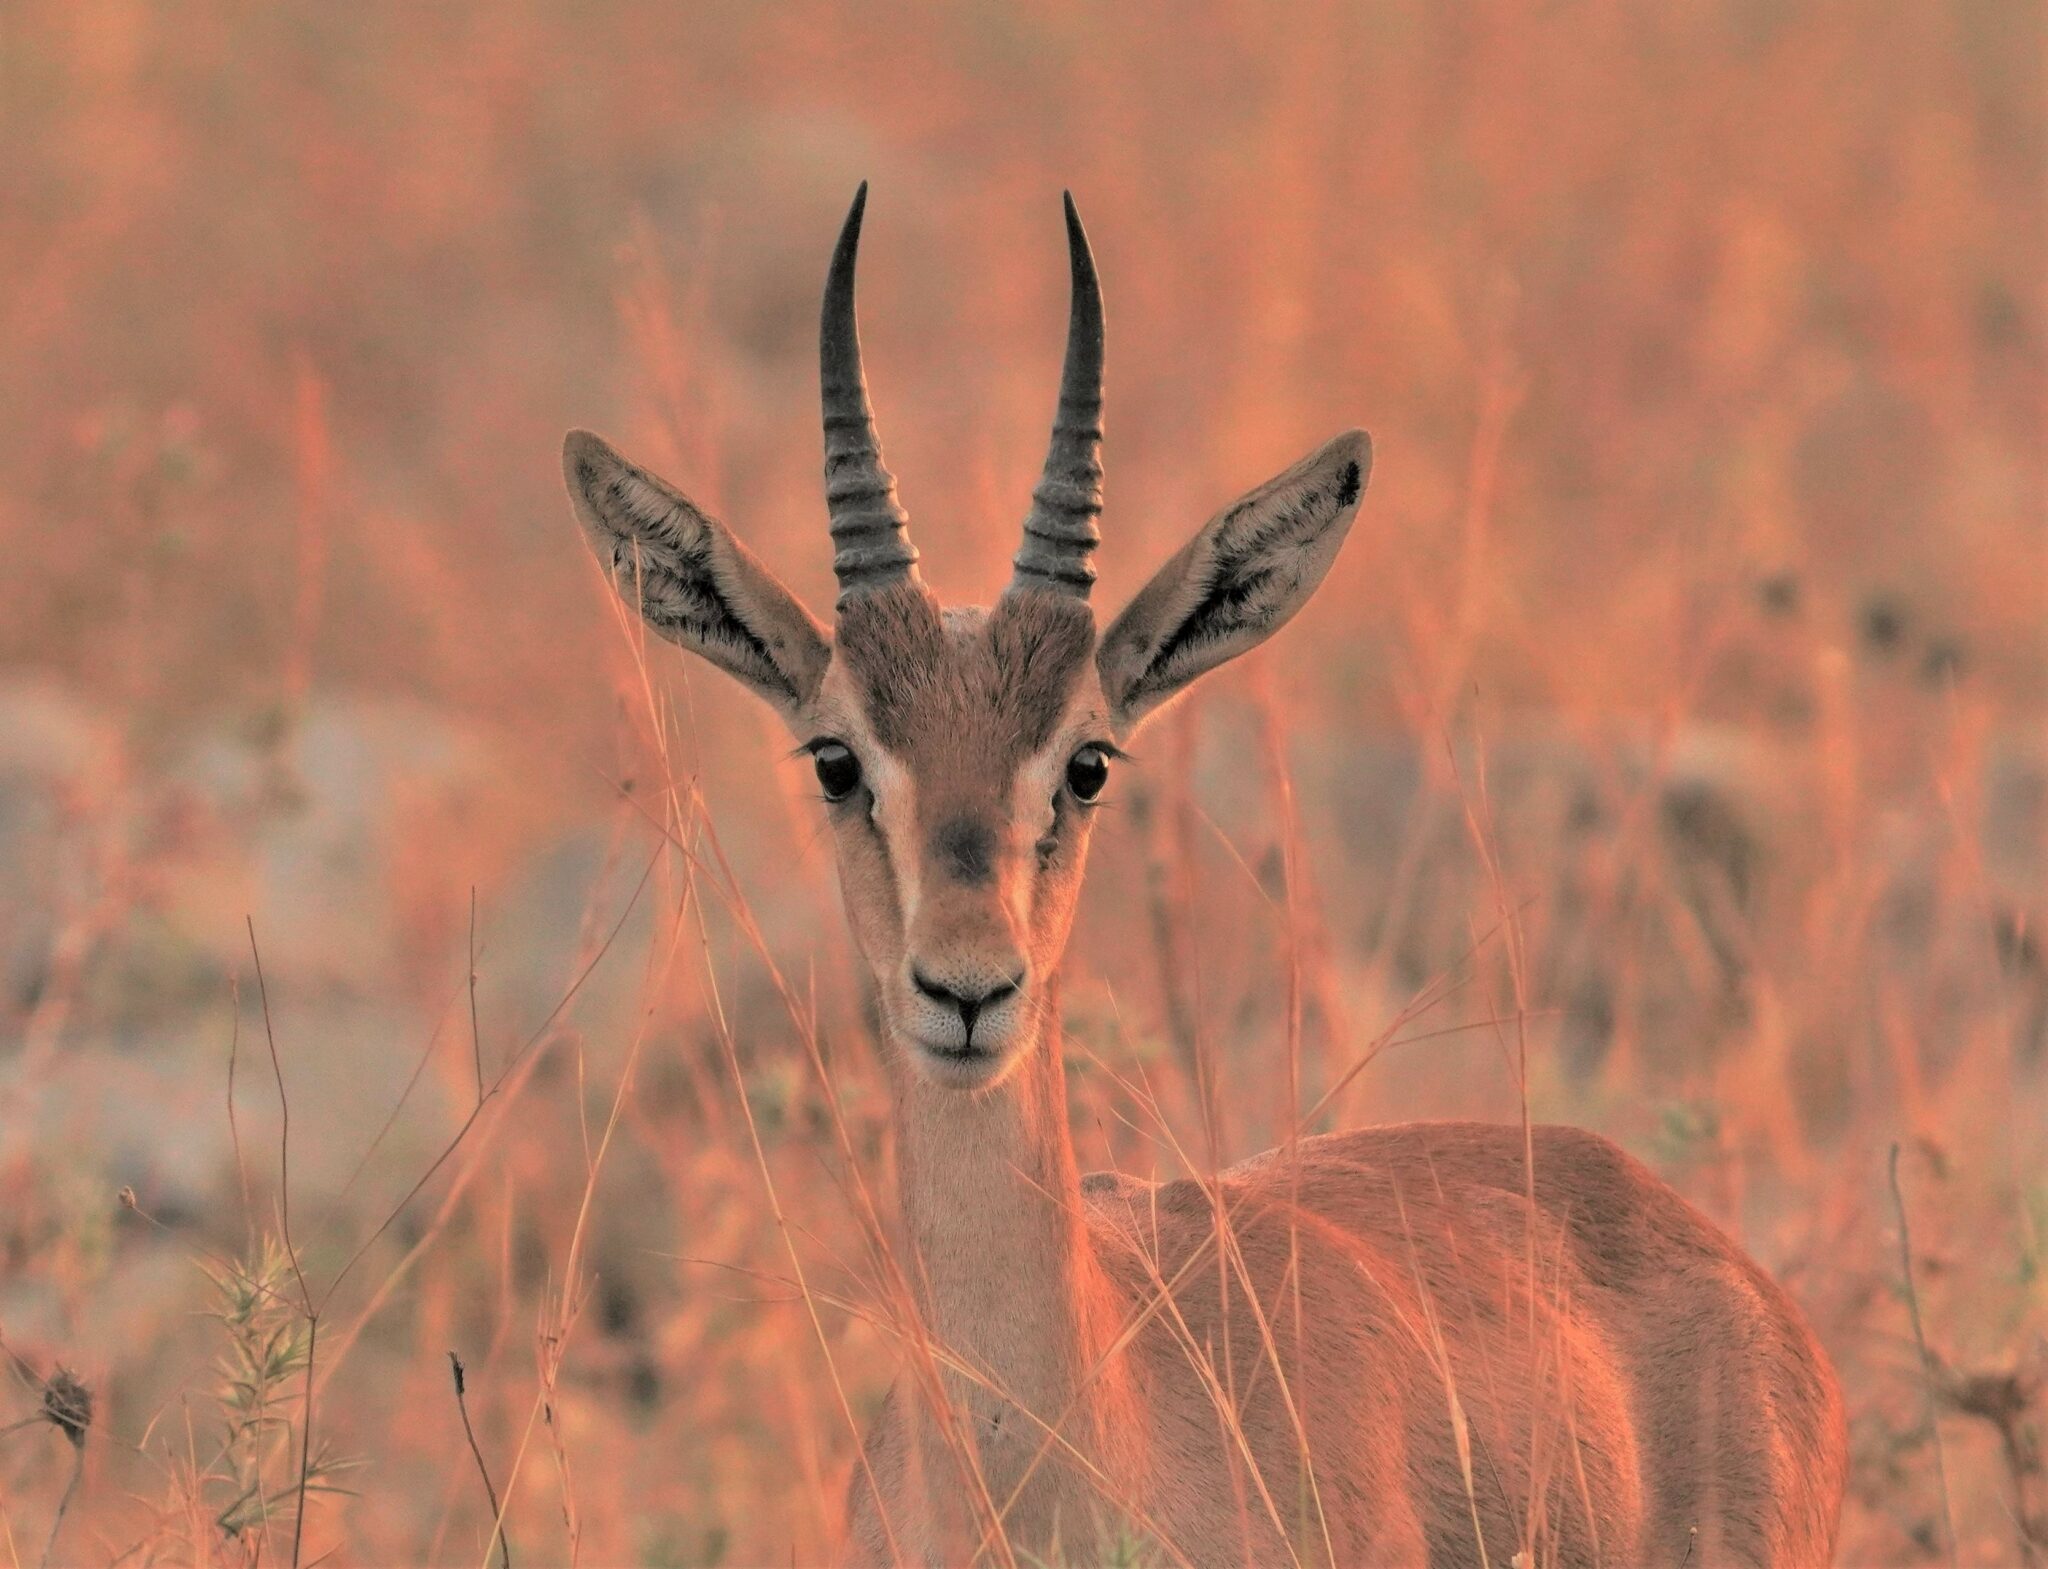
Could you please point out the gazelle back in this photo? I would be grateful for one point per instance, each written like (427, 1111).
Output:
(1434, 1342)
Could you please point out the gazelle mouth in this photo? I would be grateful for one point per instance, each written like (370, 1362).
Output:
(961, 1066)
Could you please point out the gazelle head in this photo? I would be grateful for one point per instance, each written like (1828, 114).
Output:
(962, 752)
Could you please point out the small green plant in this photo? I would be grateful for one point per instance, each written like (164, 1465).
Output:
(253, 1484)
(1688, 1132)
(1129, 1551)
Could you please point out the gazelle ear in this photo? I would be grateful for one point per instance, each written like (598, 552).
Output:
(1239, 580)
(696, 584)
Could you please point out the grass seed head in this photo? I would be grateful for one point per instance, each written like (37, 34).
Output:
(67, 1402)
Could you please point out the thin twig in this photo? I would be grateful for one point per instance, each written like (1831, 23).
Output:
(1927, 1369)
(284, 1206)
(64, 1503)
(284, 1108)
(398, 1106)
(476, 1039)
(305, 1436)
(490, 1492)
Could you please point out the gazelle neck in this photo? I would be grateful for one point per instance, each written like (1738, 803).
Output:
(1002, 1260)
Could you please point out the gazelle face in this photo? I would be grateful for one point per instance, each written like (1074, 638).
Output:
(961, 753)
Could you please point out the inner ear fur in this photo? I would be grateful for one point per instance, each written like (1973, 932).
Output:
(693, 582)
(1240, 579)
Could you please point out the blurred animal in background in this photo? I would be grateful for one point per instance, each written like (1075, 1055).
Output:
(1412, 1342)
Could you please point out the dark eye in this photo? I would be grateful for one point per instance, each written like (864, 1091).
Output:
(1088, 772)
(838, 770)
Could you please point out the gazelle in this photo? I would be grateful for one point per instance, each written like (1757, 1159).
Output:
(1393, 1346)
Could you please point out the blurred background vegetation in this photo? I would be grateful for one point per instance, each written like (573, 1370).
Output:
(1701, 590)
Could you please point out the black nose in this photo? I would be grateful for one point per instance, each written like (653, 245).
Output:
(969, 1006)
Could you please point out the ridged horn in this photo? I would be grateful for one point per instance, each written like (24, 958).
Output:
(1060, 532)
(870, 530)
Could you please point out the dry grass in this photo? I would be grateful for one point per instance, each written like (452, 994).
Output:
(1665, 755)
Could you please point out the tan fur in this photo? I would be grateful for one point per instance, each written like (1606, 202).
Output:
(1655, 1400)
(1372, 1349)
